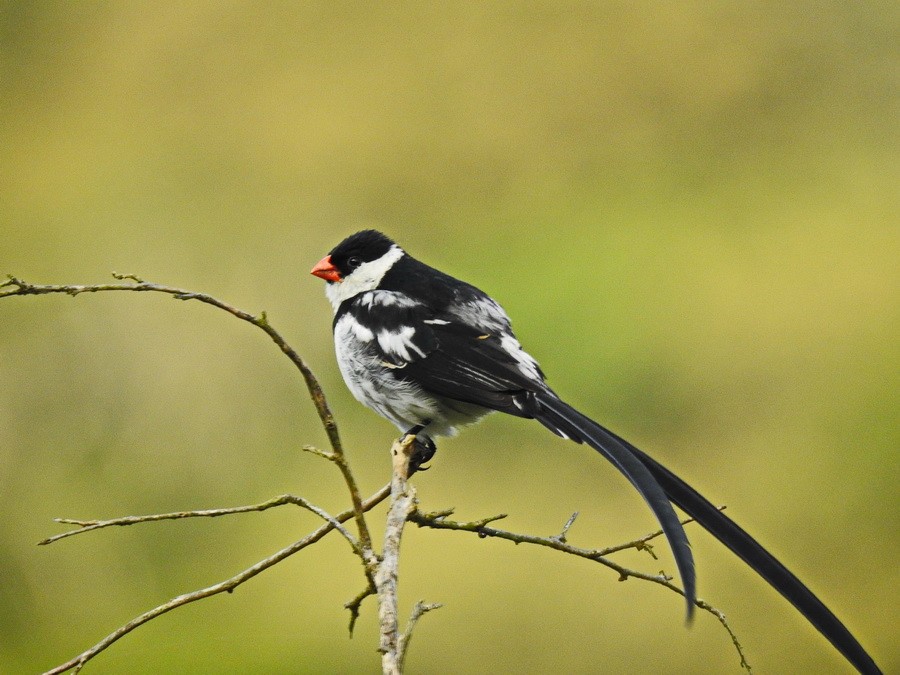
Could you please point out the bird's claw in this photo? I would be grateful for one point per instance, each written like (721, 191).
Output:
(422, 451)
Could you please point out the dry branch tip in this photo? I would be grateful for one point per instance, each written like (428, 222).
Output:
(561, 537)
(128, 277)
(324, 454)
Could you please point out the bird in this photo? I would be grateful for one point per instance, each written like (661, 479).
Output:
(431, 354)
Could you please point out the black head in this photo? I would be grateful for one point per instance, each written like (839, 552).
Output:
(368, 251)
(359, 248)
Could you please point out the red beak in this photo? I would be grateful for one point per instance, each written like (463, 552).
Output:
(324, 269)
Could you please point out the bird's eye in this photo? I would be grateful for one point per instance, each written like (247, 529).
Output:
(354, 261)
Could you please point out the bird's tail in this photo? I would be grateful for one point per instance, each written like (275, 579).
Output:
(562, 419)
(751, 552)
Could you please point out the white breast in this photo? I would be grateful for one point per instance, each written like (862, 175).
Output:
(372, 382)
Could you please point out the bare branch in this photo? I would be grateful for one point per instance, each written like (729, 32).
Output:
(226, 586)
(702, 604)
(16, 287)
(89, 525)
(340, 459)
(565, 531)
(355, 604)
(641, 543)
(403, 503)
(418, 611)
(558, 543)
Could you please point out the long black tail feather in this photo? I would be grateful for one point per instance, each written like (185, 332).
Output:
(562, 419)
(764, 563)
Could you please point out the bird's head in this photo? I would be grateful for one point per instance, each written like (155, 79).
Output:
(357, 265)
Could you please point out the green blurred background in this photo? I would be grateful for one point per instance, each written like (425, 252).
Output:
(690, 210)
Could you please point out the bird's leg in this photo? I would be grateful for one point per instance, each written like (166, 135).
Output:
(423, 449)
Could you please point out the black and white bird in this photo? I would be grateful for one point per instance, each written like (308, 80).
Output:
(431, 354)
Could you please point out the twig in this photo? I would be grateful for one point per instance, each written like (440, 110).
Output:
(338, 457)
(641, 543)
(418, 611)
(226, 586)
(89, 525)
(355, 604)
(565, 531)
(597, 555)
(702, 604)
(16, 287)
(479, 527)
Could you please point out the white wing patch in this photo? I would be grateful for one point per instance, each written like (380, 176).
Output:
(349, 327)
(362, 333)
(527, 365)
(398, 343)
(377, 299)
(483, 313)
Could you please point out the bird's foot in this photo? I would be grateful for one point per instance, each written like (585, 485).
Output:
(422, 451)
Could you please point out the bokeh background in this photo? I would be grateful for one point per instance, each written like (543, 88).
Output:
(690, 210)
